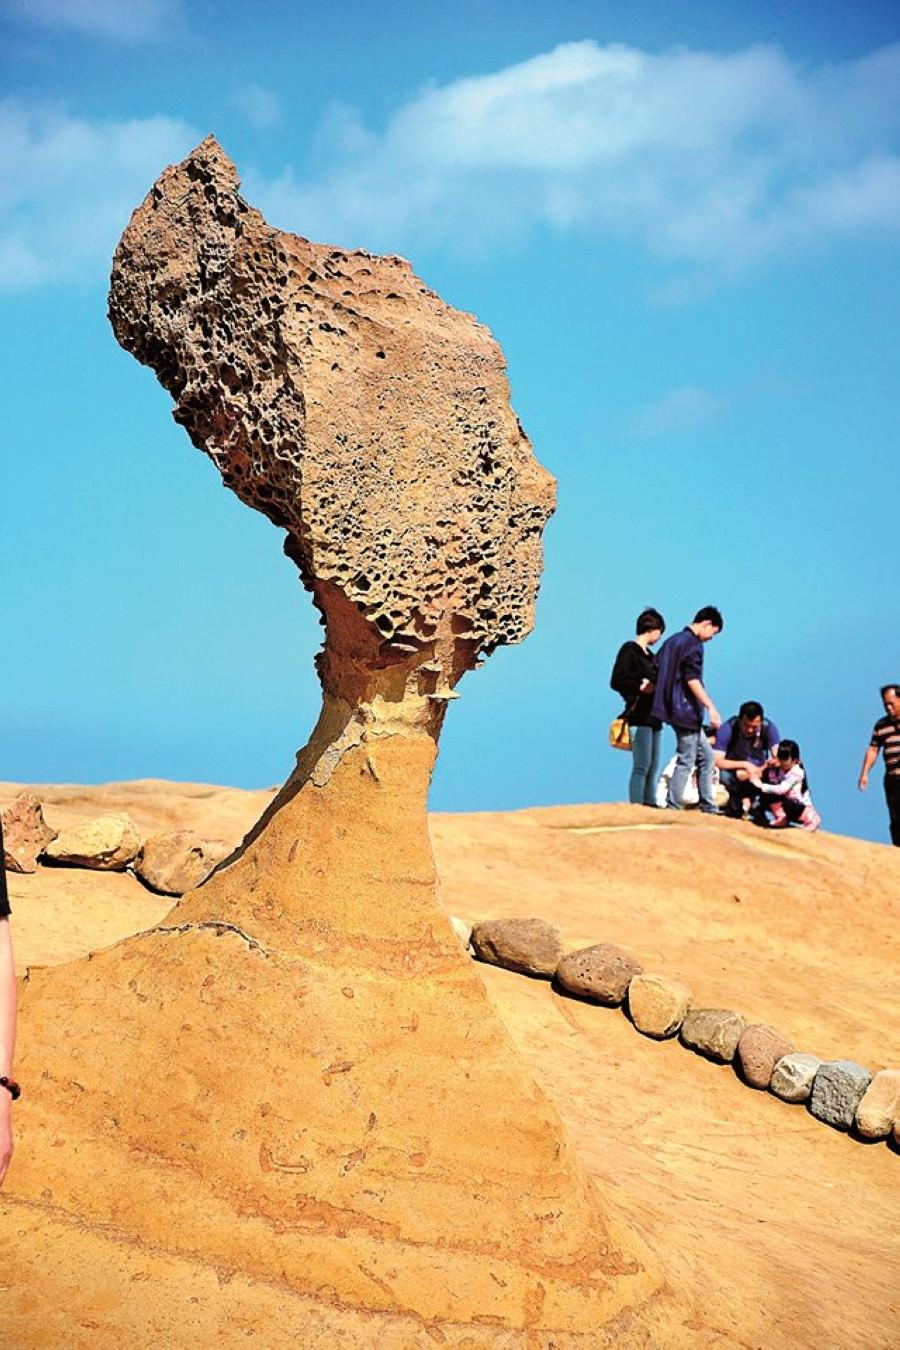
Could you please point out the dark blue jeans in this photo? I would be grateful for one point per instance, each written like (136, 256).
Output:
(644, 766)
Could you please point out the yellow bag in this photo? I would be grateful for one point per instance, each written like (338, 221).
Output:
(619, 734)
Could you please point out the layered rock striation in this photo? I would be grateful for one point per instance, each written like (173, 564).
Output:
(297, 1079)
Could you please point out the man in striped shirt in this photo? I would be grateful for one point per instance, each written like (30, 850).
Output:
(886, 738)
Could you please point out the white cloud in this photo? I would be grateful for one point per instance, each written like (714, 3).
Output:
(712, 162)
(120, 20)
(68, 187)
(260, 106)
(680, 410)
(709, 163)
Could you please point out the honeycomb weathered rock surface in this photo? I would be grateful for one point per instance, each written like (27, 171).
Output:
(343, 398)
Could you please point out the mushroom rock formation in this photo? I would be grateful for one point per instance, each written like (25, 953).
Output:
(297, 1079)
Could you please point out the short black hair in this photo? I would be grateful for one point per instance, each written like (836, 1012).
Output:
(647, 620)
(788, 750)
(709, 614)
(751, 709)
(886, 688)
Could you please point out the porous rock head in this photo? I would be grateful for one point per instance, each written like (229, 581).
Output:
(343, 398)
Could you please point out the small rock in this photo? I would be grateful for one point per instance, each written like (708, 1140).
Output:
(25, 833)
(713, 1032)
(462, 931)
(837, 1090)
(108, 844)
(657, 1006)
(879, 1110)
(530, 946)
(176, 861)
(601, 973)
(759, 1050)
(792, 1077)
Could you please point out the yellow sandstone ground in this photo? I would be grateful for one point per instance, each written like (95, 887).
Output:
(771, 1229)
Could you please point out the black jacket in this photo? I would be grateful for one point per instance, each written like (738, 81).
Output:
(632, 666)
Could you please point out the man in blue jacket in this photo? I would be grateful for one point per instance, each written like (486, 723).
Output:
(743, 745)
(680, 699)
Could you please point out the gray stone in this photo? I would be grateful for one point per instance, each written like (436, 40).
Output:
(792, 1077)
(713, 1032)
(601, 973)
(837, 1090)
(530, 946)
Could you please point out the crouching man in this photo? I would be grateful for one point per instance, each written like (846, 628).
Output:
(743, 745)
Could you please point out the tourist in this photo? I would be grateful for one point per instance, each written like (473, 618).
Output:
(784, 792)
(632, 677)
(886, 738)
(742, 746)
(680, 700)
(8, 1088)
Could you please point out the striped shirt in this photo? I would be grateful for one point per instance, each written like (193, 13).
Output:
(886, 738)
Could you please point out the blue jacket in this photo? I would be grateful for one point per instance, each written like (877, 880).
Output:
(680, 659)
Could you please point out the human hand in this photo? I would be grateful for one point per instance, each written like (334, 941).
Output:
(863, 782)
(715, 717)
(6, 1134)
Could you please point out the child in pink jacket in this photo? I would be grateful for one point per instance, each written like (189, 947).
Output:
(784, 792)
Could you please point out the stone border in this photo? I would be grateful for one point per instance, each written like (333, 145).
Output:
(839, 1092)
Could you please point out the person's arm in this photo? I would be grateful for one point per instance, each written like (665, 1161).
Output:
(696, 687)
(868, 761)
(738, 765)
(7, 1040)
(791, 780)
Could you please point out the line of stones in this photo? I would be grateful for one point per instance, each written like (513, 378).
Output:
(839, 1092)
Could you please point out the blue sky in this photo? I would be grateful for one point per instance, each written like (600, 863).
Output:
(682, 224)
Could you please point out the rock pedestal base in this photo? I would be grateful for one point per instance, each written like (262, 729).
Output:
(297, 1080)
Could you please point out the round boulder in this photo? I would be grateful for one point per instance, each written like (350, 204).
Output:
(879, 1110)
(530, 946)
(792, 1077)
(837, 1091)
(713, 1032)
(656, 1005)
(759, 1050)
(107, 844)
(601, 973)
(176, 861)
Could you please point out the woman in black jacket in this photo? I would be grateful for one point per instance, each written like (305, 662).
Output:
(633, 675)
